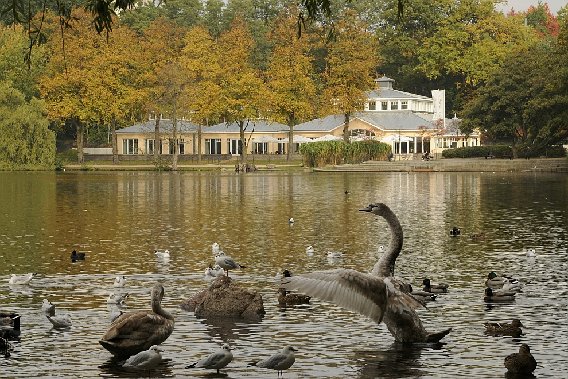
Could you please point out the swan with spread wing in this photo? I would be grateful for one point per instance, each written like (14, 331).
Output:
(378, 295)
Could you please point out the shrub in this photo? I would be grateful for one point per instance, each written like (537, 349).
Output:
(317, 154)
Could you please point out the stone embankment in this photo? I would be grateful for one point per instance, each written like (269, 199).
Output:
(457, 165)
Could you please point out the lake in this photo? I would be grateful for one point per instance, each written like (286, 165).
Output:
(119, 218)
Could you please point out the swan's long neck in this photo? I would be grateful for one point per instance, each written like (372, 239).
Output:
(385, 265)
(157, 305)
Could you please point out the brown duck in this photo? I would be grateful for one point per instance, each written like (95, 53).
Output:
(522, 362)
(504, 329)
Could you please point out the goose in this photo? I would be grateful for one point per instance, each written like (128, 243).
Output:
(455, 231)
(378, 295)
(521, 363)
(504, 329)
(162, 253)
(117, 298)
(216, 361)
(227, 263)
(119, 281)
(215, 248)
(10, 326)
(75, 256)
(133, 332)
(48, 308)
(492, 295)
(21, 279)
(280, 361)
(144, 360)
(434, 288)
(310, 250)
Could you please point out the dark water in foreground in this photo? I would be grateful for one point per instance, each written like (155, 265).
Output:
(120, 218)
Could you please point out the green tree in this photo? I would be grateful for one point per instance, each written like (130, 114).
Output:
(290, 76)
(25, 139)
(350, 67)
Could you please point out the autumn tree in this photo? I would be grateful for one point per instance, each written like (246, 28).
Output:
(350, 67)
(242, 89)
(289, 76)
(201, 63)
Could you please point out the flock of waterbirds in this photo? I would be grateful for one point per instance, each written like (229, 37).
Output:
(379, 295)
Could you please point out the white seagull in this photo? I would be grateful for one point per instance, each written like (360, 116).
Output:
(145, 360)
(280, 361)
(58, 321)
(162, 253)
(310, 250)
(215, 248)
(227, 263)
(216, 360)
(120, 281)
(21, 279)
(117, 298)
(48, 308)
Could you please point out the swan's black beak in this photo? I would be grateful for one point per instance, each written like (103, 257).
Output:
(369, 208)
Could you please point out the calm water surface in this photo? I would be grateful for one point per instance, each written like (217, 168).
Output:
(120, 218)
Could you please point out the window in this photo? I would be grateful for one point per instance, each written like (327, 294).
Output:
(181, 146)
(130, 146)
(372, 106)
(261, 147)
(149, 146)
(213, 146)
(394, 105)
(234, 146)
(281, 147)
(384, 105)
(404, 105)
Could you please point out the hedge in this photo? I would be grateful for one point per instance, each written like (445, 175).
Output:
(317, 154)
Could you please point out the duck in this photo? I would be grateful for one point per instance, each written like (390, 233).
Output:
(423, 296)
(21, 279)
(310, 250)
(378, 295)
(280, 361)
(133, 332)
(117, 298)
(75, 256)
(455, 231)
(512, 285)
(521, 363)
(504, 329)
(162, 253)
(10, 326)
(434, 288)
(227, 263)
(48, 308)
(492, 295)
(119, 281)
(216, 360)
(286, 298)
(144, 360)
(493, 281)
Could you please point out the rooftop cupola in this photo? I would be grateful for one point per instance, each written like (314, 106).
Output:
(384, 83)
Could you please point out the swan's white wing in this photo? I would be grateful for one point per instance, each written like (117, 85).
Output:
(356, 291)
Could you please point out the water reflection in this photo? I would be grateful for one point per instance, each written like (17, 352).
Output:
(122, 217)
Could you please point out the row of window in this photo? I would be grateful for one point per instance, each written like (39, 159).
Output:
(394, 105)
(212, 146)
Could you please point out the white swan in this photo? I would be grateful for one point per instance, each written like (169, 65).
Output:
(280, 361)
(216, 360)
(119, 281)
(48, 308)
(162, 253)
(134, 332)
(145, 360)
(227, 263)
(378, 295)
(21, 279)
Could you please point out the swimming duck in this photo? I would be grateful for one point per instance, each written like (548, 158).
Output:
(227, 263)
(492, 295)
(521, 363)
(422, 296)
(378, 295)
(10, 325)
(280, 361)
(21, 279)
(162, 253)
(48, 308)
(434, 288)
(144, 360)
(75, 256)
(287, 298)
(119, 281)
(493, 281)
(504, 329)
(216, 360)
(133, 332)
(455, 231)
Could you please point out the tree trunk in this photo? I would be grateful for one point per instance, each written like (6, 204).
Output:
(199, 142)
(243, 142)
(290, 137)
(80, 133)
(176, 143)
(114, 142)
(346, 128)
(157, 141)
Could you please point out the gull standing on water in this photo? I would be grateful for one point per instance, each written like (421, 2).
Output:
(21, 279)
(280, 361)
(134, 332)
(227, 263)
(216, 360)
(378, 295)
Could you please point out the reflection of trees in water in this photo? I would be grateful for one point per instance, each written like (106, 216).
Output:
(399, 361)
